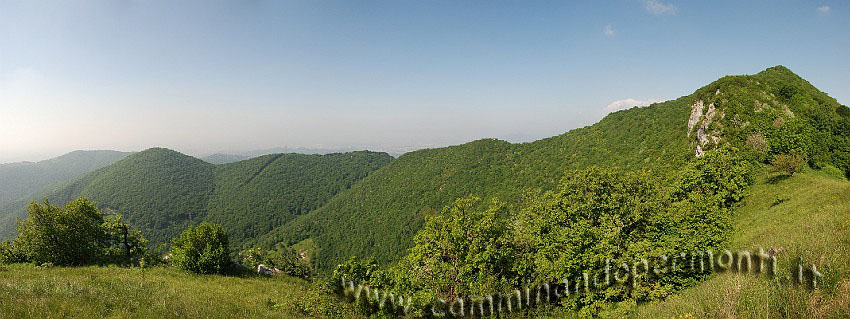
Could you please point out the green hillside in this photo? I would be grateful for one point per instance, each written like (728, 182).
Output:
(161, 191)
(773, 112)
(252, 197)
(24, 182)
(398, 196)
(21, 180)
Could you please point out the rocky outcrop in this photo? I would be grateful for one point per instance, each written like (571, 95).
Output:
(702, 135)
(696, 114)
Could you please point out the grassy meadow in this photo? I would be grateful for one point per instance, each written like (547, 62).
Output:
(114, 292)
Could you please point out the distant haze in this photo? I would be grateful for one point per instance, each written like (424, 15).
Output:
(205, 77)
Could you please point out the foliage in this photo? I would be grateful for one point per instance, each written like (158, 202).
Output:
(282, 258)
(787, 164)
(9, 254)
(123, 244)
(400, 195)
(358, 271)
(277, 188)
(75, 235)
(593, 217)
(832, 171)
(71, 236)
(161, 191)
(29, 181)
(204, 249)
(461, 252)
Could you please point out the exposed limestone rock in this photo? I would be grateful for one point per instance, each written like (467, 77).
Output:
(696, 114)
(702, 136)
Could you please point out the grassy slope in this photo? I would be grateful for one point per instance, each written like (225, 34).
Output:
(111, 292)
(814, 223)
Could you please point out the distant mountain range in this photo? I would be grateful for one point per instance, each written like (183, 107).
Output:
(26, 179)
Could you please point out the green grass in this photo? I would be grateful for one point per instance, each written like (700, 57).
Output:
(112, 292)
(813, 222)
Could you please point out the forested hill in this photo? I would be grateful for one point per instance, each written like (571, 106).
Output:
(21, 180)
(160, 191)
(157, 190)
(254, 196)
(379, 215)
(772, 112)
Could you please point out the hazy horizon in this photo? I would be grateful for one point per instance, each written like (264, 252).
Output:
(224, 77)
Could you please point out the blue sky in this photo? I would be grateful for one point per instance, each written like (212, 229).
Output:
(207, 76)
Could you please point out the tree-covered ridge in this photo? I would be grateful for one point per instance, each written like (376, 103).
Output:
(777, 112)
(21, 180)
(252, 197)
(655, 138)
(160, 191)
(420, 183)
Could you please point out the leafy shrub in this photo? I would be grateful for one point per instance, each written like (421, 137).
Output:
(9, 255)
(462, 252)
(75, 235)
(124, 245)
(66, 237)
(787, 164)
(282, 258)
(786, 92)
(758, 142)
(358, 271)
(832, 171)
(202, 250)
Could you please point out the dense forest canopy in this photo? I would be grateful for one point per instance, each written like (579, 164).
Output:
(160, 191)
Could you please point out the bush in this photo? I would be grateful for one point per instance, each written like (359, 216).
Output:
(282, 258)
(832, 171)
(202, 250)
(124, 244)
(787, 164)
(75, 235)
(67, 237)
(9, 255)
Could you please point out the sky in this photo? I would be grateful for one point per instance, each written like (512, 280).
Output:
(225, 76)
